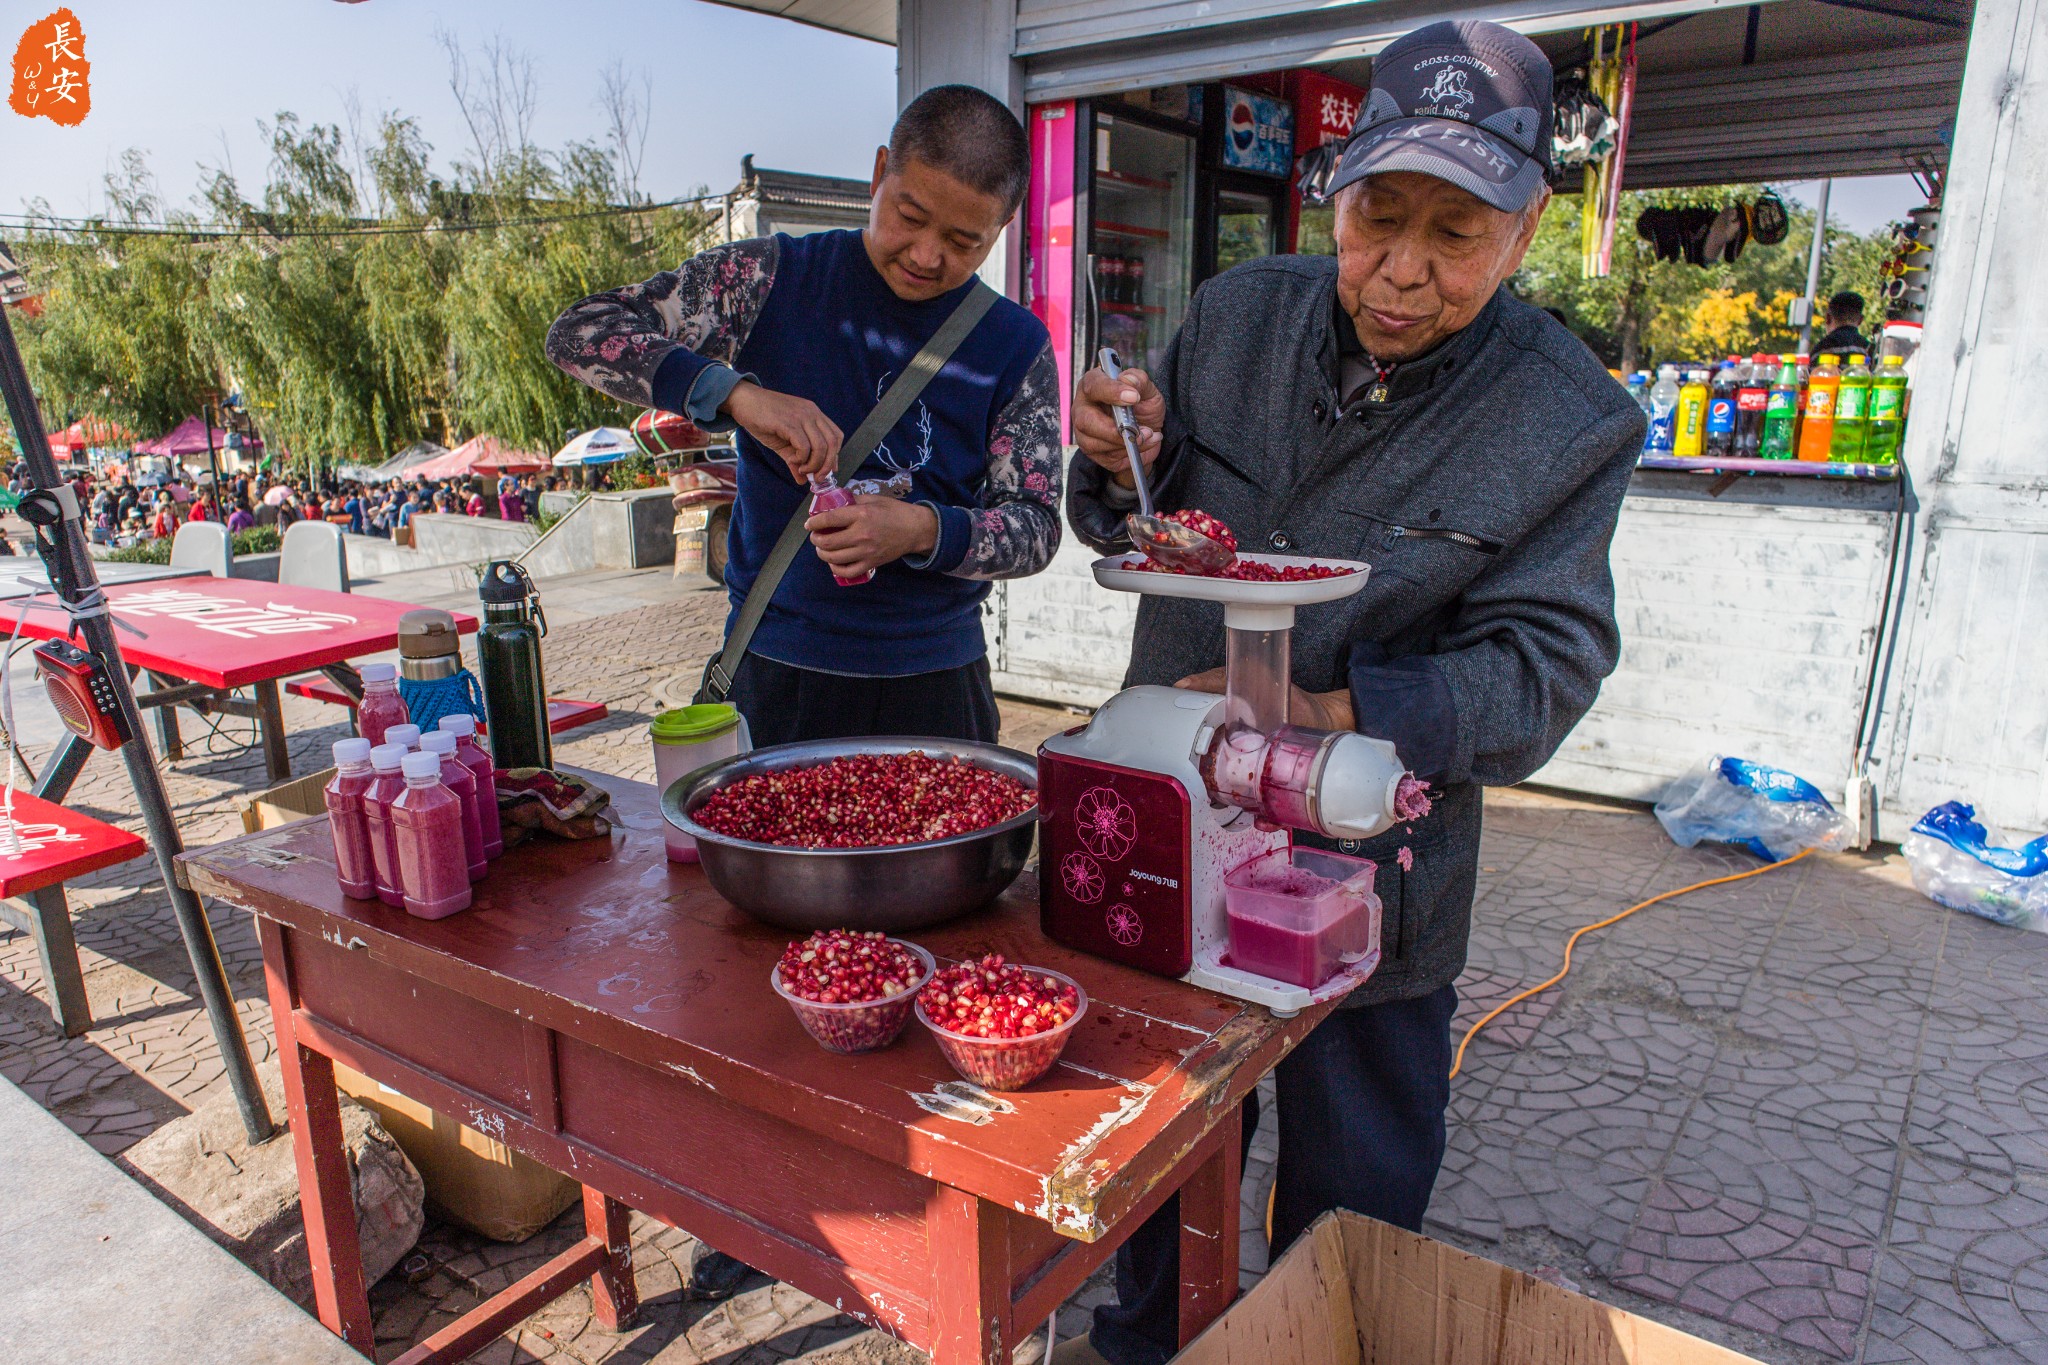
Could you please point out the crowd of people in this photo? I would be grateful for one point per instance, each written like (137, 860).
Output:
(120, 512)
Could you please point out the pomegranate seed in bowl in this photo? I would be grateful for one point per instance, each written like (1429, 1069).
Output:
(865, 801)
(1001, 1025)
(852, 992)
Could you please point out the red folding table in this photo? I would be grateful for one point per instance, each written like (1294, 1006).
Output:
(212, 635)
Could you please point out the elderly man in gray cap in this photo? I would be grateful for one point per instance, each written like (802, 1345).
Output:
(1394, 405)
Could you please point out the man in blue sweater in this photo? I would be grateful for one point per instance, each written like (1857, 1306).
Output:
(793, 340)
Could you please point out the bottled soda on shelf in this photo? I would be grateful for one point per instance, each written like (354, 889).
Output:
(1689, 430)
(1720, 442)
(1752, 396)
(1781, 412)
(1663, 412)
(1819, 427)
(1852, 414)
(1887, 412)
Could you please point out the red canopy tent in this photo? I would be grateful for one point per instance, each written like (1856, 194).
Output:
(88, 432)
(189, 438)
(478, 455)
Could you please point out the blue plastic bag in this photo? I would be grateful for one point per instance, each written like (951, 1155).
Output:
(1768, 811)
(1961, 862)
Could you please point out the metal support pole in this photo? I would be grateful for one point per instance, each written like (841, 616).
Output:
(1820, 238)
(73, 576)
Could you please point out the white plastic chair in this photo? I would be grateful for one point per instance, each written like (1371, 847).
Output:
(203, 545)
(313, 556)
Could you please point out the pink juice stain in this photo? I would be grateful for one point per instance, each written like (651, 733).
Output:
(480, 767)
(432, 863)
(377, 799)
(828, 496)
(354, 860)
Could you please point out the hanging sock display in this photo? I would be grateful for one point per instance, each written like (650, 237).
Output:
(1611, 82)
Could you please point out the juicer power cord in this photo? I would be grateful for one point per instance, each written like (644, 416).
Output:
(1516, 999)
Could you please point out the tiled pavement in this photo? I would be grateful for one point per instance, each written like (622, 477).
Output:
(1802, 1115)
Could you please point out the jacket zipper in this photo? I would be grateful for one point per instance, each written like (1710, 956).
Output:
(1470, 542)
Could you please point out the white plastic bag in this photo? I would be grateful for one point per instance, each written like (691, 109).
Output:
(1962, 862)
(1768, 811)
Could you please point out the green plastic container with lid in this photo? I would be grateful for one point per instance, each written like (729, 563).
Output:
(688, 739)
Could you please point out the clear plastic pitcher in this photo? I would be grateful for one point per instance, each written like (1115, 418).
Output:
(1300, 915)
(689, 739)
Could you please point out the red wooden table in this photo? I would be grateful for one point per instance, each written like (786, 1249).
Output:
(604, 1011)
(217, 634)
(49, 846)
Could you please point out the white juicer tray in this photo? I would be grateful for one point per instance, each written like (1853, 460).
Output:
(1115, 572)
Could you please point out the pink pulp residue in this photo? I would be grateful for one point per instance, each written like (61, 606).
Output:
(1405, 856)
(1411, 799)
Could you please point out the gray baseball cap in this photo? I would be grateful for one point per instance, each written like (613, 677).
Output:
(1464, 100)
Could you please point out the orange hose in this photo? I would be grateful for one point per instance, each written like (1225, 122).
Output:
(1517, 999)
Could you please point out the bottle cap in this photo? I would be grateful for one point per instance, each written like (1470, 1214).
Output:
(1855, 357)
(694, 724)
(407, 735)
(1831, 359)
(504, 583)
(460, 724)
(385, 758)
(437, 742)
(420, 765)
(378, 672)
(351, 751)
(427, 633)
(1897, 360)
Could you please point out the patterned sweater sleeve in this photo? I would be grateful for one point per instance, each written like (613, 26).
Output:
(668, 342)
(1016, 528)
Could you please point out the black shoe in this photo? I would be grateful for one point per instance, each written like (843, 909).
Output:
(715, 1276)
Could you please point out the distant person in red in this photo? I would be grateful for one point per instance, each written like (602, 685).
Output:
(166, 522)
(475, 506)
(202, 510)
(511, 501)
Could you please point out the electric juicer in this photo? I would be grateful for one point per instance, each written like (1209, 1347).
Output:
(1145, 810)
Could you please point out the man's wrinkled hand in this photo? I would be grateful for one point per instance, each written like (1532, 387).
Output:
(876, 530)
(1095, 425)
(1311, 710)
(806, 439)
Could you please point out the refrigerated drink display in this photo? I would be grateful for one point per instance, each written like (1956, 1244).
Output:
(1143, 220)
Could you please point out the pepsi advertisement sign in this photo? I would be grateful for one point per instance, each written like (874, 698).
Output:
(1258, 133)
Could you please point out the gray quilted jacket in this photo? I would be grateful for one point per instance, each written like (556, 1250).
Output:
(1483, 492)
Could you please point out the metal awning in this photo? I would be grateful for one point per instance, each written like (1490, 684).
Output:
(871, 19)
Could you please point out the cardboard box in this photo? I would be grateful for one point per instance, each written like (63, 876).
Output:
(471, 1179)
(1356, 1291)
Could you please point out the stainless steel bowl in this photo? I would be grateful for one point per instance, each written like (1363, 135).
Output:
(892, 888)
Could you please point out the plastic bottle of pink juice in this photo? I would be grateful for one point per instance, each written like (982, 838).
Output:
(381, 706)
(426, 822)
(405, 736)
(348, 823)
(386, 782)
(472, 754)
(456, 777)
(826, 495)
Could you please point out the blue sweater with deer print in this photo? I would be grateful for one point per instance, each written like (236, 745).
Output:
(810, 316)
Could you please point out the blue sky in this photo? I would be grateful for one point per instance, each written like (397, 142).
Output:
(184, 78)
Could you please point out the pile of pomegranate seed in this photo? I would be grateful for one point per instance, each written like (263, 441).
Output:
(845, 967)
(1255, 571)
(1201, 523)
(865, 800)
(852, 991)
(999, 1024)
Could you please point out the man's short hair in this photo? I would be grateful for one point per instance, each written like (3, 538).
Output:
(968, 134)
(1847, 305)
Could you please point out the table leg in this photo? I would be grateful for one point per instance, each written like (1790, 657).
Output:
(325, 1198)
(58, 949)
(970, 1252)
(63, 769)
(270, 720)
(167, 737)
(613, 1298)
(1208, 1233)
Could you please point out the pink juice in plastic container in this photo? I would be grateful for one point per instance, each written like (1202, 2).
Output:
(1300, 915)
(472, 754)
(456, 777)
(826, 496)
(381, 706)
(386, 782)
(350, 825)
(426, 820)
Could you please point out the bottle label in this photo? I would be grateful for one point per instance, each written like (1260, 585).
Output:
(1752, 400)
(1721, 417)
(1853, 405)
(1820, 404)
(1660, 433)
(1888, 404)
(1782, 403)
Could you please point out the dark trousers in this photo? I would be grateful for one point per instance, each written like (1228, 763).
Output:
(1361, 1127)
(784, 704)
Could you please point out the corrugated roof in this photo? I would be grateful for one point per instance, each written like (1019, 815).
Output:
(871, 19)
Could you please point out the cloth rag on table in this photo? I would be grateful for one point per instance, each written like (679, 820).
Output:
(542, 801)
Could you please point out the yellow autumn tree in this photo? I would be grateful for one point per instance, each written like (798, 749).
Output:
(1722, 323)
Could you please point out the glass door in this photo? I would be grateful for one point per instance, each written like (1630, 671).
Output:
(1142, 235)
(1247, 227)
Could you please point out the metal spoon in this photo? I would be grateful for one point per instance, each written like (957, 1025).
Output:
(1164, 542)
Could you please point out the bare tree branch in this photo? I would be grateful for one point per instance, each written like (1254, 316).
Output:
(627, 105)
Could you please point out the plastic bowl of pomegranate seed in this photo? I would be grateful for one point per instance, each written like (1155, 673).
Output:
(979, 803)
(852, 992)
(1004, 1024)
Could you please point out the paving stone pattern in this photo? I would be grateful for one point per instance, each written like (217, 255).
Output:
(1802, 1114)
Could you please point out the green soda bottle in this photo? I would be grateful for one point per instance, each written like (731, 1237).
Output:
(1852, 414)
(1887, 412)
(1781, 411)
